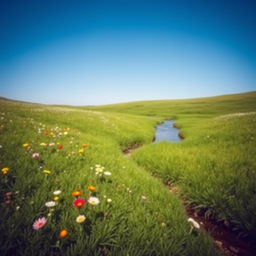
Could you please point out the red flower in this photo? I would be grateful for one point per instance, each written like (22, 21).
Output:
(79, 202)
(59, 146)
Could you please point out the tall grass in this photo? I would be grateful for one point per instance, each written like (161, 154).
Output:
(142, 217)
(215, 164)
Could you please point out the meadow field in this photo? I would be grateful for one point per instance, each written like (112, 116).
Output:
(68, 189)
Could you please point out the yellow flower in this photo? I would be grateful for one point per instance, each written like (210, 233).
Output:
(26, 145)
(5, 170)
(43, 144)
(46, 171)
(56, 198)
(80, 219)
(81, 150)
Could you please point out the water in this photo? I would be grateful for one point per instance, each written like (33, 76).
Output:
(166, 132)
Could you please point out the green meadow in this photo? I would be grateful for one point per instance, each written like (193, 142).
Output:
(49, 152)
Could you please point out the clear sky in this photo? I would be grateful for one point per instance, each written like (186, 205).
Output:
(103, 51)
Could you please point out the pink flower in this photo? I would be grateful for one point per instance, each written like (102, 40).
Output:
(39, 223)
(35, 155)
(8, 194)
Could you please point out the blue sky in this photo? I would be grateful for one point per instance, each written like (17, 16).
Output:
(103, 51)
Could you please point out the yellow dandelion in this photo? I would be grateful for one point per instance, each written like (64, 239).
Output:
(5, 170)
(56, 198)
(81, 151)
(25, 145)
(46, 171)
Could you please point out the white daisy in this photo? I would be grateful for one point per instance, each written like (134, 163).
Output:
(57, 192)
(50, 204)
(93, 200)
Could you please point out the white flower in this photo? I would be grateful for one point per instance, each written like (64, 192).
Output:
(50, 204)
(193, 223)
(80, 218)
(163, 224)
(93, 200)
(143, 197)
(107, 173)
(109, 200)
(57, 192)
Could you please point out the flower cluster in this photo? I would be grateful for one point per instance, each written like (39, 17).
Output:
(100, 171)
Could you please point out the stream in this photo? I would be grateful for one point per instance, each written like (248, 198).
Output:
(167, 132)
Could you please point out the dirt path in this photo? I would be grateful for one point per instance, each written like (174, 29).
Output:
(227, 241)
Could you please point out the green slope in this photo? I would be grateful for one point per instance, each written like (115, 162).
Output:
(214, 167)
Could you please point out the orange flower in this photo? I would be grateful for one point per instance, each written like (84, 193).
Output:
(91, 188)
(63, 233)
(85, 145)
(76, 193)
(59, 146)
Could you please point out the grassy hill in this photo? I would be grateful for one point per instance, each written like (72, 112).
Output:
(49, 148)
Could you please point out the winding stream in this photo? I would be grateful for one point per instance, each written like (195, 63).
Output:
(167, 132)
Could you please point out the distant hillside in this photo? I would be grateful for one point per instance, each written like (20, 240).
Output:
(225, 104)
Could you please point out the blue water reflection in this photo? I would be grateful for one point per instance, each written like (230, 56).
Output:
(166, 132)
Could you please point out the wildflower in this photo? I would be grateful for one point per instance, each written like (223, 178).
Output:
(56, 198)
(17, 207)
(63, 233)
(163, 224)
(1, 146)
(43, 144)
(25, 145)
(80, 219)
(8, 201)
(93, 200)
(8, 194)
(79, 203)
(81, 151)
(193, 223)
(35, 155)
(109, 200)
(5, 170)
(50, 204)
(46, 171)
(51, 144)
(39, 223)
(91, 188)
(107, 173)
(57, 192)
(76, 193)
(59, 146)
(143, 197)
(85, 145)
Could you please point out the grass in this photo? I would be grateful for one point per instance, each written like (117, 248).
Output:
(214, 167)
